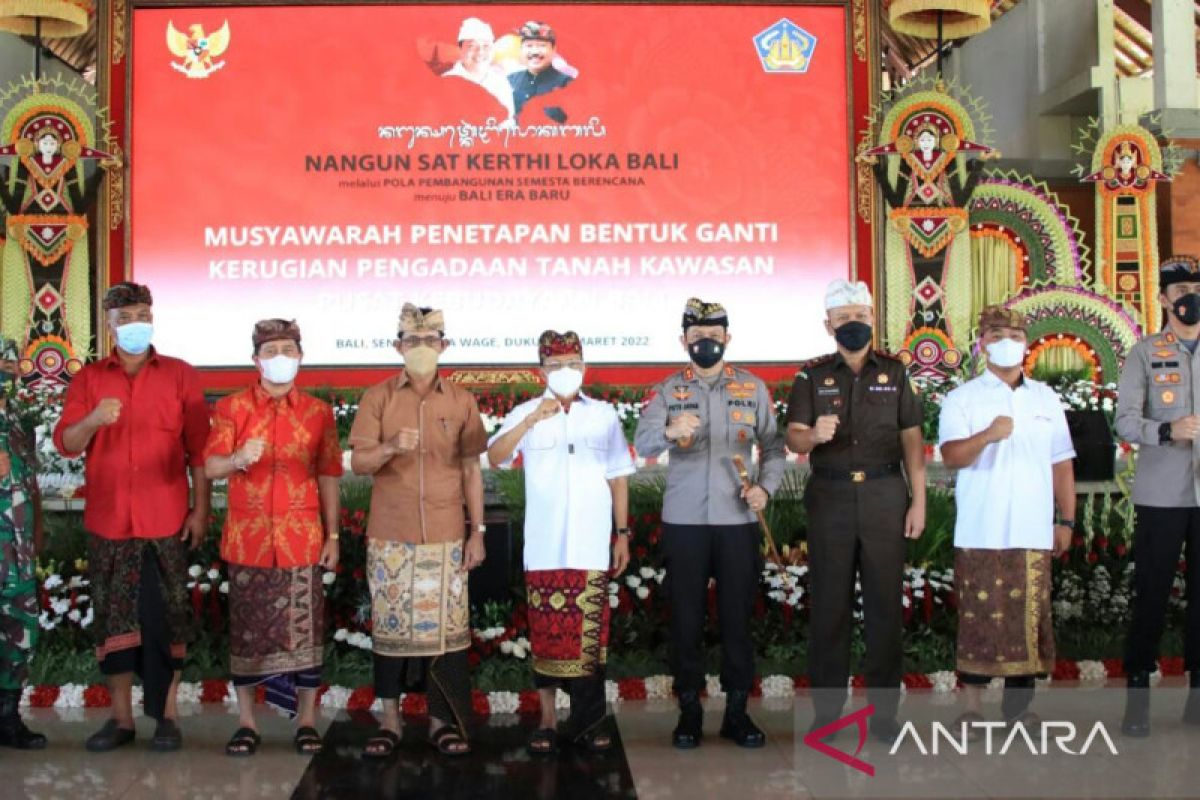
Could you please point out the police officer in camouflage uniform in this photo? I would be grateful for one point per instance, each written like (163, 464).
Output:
(20, 538)
(1157, 409)
(857, 415)
(704, 415)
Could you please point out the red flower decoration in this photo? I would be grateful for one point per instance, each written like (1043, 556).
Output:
(479, 703)
(96, 696)
(43, 696)
(414, 705)
(631, 688)
(801, 682)
(361, 699)
(213, 691)
(1115, 667)
(1171, 666)
(1066, 671)
(530, 702)
(917, 680)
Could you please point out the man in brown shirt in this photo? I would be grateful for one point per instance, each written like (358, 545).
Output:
(857, 414)
(421, 439)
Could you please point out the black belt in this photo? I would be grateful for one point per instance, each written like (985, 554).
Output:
(856, 475)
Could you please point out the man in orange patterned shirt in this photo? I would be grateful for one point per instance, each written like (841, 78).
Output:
(278, 447)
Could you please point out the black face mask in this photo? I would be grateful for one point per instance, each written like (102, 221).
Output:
(853, 336)
(706, 353)
(1187, 309)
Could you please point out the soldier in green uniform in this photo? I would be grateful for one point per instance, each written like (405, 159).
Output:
(705, 415)
(20, 538)
(855, 412)
(1157, 410)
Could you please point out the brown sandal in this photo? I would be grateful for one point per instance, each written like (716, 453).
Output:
(449, 741)
(381, 745)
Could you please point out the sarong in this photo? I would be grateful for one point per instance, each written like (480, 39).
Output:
(1004, 624)
(276, 630)
(568, 621)
(18, 585)
(139, 593)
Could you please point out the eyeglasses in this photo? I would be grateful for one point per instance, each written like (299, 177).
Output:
(420, 341)
(555, 366)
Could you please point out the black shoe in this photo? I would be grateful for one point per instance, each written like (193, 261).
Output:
(886, 729)
(1018, 696)
(690, 729)
(737, 725)
(1137, 706)
(13, 732)
(167, 737)
(110, 737)
(1191, 711)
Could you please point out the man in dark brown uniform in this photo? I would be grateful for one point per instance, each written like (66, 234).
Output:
(857, 414)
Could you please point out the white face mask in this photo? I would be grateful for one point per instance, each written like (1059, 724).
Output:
(565, 382)
(1006, 353)
(279, 369)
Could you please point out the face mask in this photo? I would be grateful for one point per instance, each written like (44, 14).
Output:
(1006, 353)
(279, 369)
(706, 353)
(421, 361)
(565, 382)
(853, 336)
(134, 337)
(1187, 309)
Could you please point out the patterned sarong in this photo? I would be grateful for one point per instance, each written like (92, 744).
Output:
(1004, 625)
(276, 630)
(418, 598)
(18, 585)
(568, 621)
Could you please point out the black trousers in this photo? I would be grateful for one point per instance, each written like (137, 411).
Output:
(589, 705)
(1159, 541)
(445, 679)
(730, 554)
(856, 529)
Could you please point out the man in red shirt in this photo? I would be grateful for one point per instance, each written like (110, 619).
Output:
(142, 421)
(278, 448)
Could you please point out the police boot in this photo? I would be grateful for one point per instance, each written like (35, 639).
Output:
(13, 732)
(1137, 705)
(690, 729)
(737, 725)
(1191, 711)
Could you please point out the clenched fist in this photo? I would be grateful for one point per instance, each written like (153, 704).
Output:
(1185, 429)
(107, 411)
(251, 452)
(1000, 429)
(682, 427)
(826, 428)
(407, 440)
(549, 407)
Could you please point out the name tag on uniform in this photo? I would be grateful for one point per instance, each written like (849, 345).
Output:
(743, 390)
(828, 391)
(881, 388)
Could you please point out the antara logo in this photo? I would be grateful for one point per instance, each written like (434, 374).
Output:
(859, 718)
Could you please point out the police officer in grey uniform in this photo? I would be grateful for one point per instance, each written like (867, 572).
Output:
(1157, 409)
(704, 415)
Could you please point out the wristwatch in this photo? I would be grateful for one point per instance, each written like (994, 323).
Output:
(1069, 523)
(624, 531)
(481, 528)
(1164, 433)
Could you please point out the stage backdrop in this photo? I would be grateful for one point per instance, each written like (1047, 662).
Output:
(330, 163)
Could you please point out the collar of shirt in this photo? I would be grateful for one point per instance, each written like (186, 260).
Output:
(580, 397)
(992, 380)
(403, 380)
(262, 396)
(114, 359)
(691, 376)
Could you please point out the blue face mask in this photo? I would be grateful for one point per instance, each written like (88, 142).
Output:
(134, 337)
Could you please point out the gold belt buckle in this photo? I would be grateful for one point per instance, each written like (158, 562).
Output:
(858, 476)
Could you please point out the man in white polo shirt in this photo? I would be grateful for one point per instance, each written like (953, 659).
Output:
(1008, 437)
(577, 463)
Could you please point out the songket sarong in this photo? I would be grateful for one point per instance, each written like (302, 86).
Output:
(276, 630)
(568, 621)
(420, 624)
(1004, 624)
(139, 593)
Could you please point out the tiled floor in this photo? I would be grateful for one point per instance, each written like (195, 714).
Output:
(1160, 767)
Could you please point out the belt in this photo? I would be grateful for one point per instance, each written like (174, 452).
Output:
(856, 475)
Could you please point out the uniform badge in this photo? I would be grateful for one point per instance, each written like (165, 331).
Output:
(830, 381)
(681, 393)
(737, 416)
(743, 435)
(1168, 396)
(883, 378)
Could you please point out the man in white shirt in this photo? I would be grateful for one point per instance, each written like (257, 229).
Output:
(1008, 437)
(577, 463)
(475, 44)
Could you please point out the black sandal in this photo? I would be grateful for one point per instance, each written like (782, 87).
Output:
(381, 745)
(595, 742)
(243, 743)
(543, 742)
(308, 741)
(446, 739)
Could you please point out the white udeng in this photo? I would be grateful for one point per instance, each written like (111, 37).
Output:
(568, 461)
